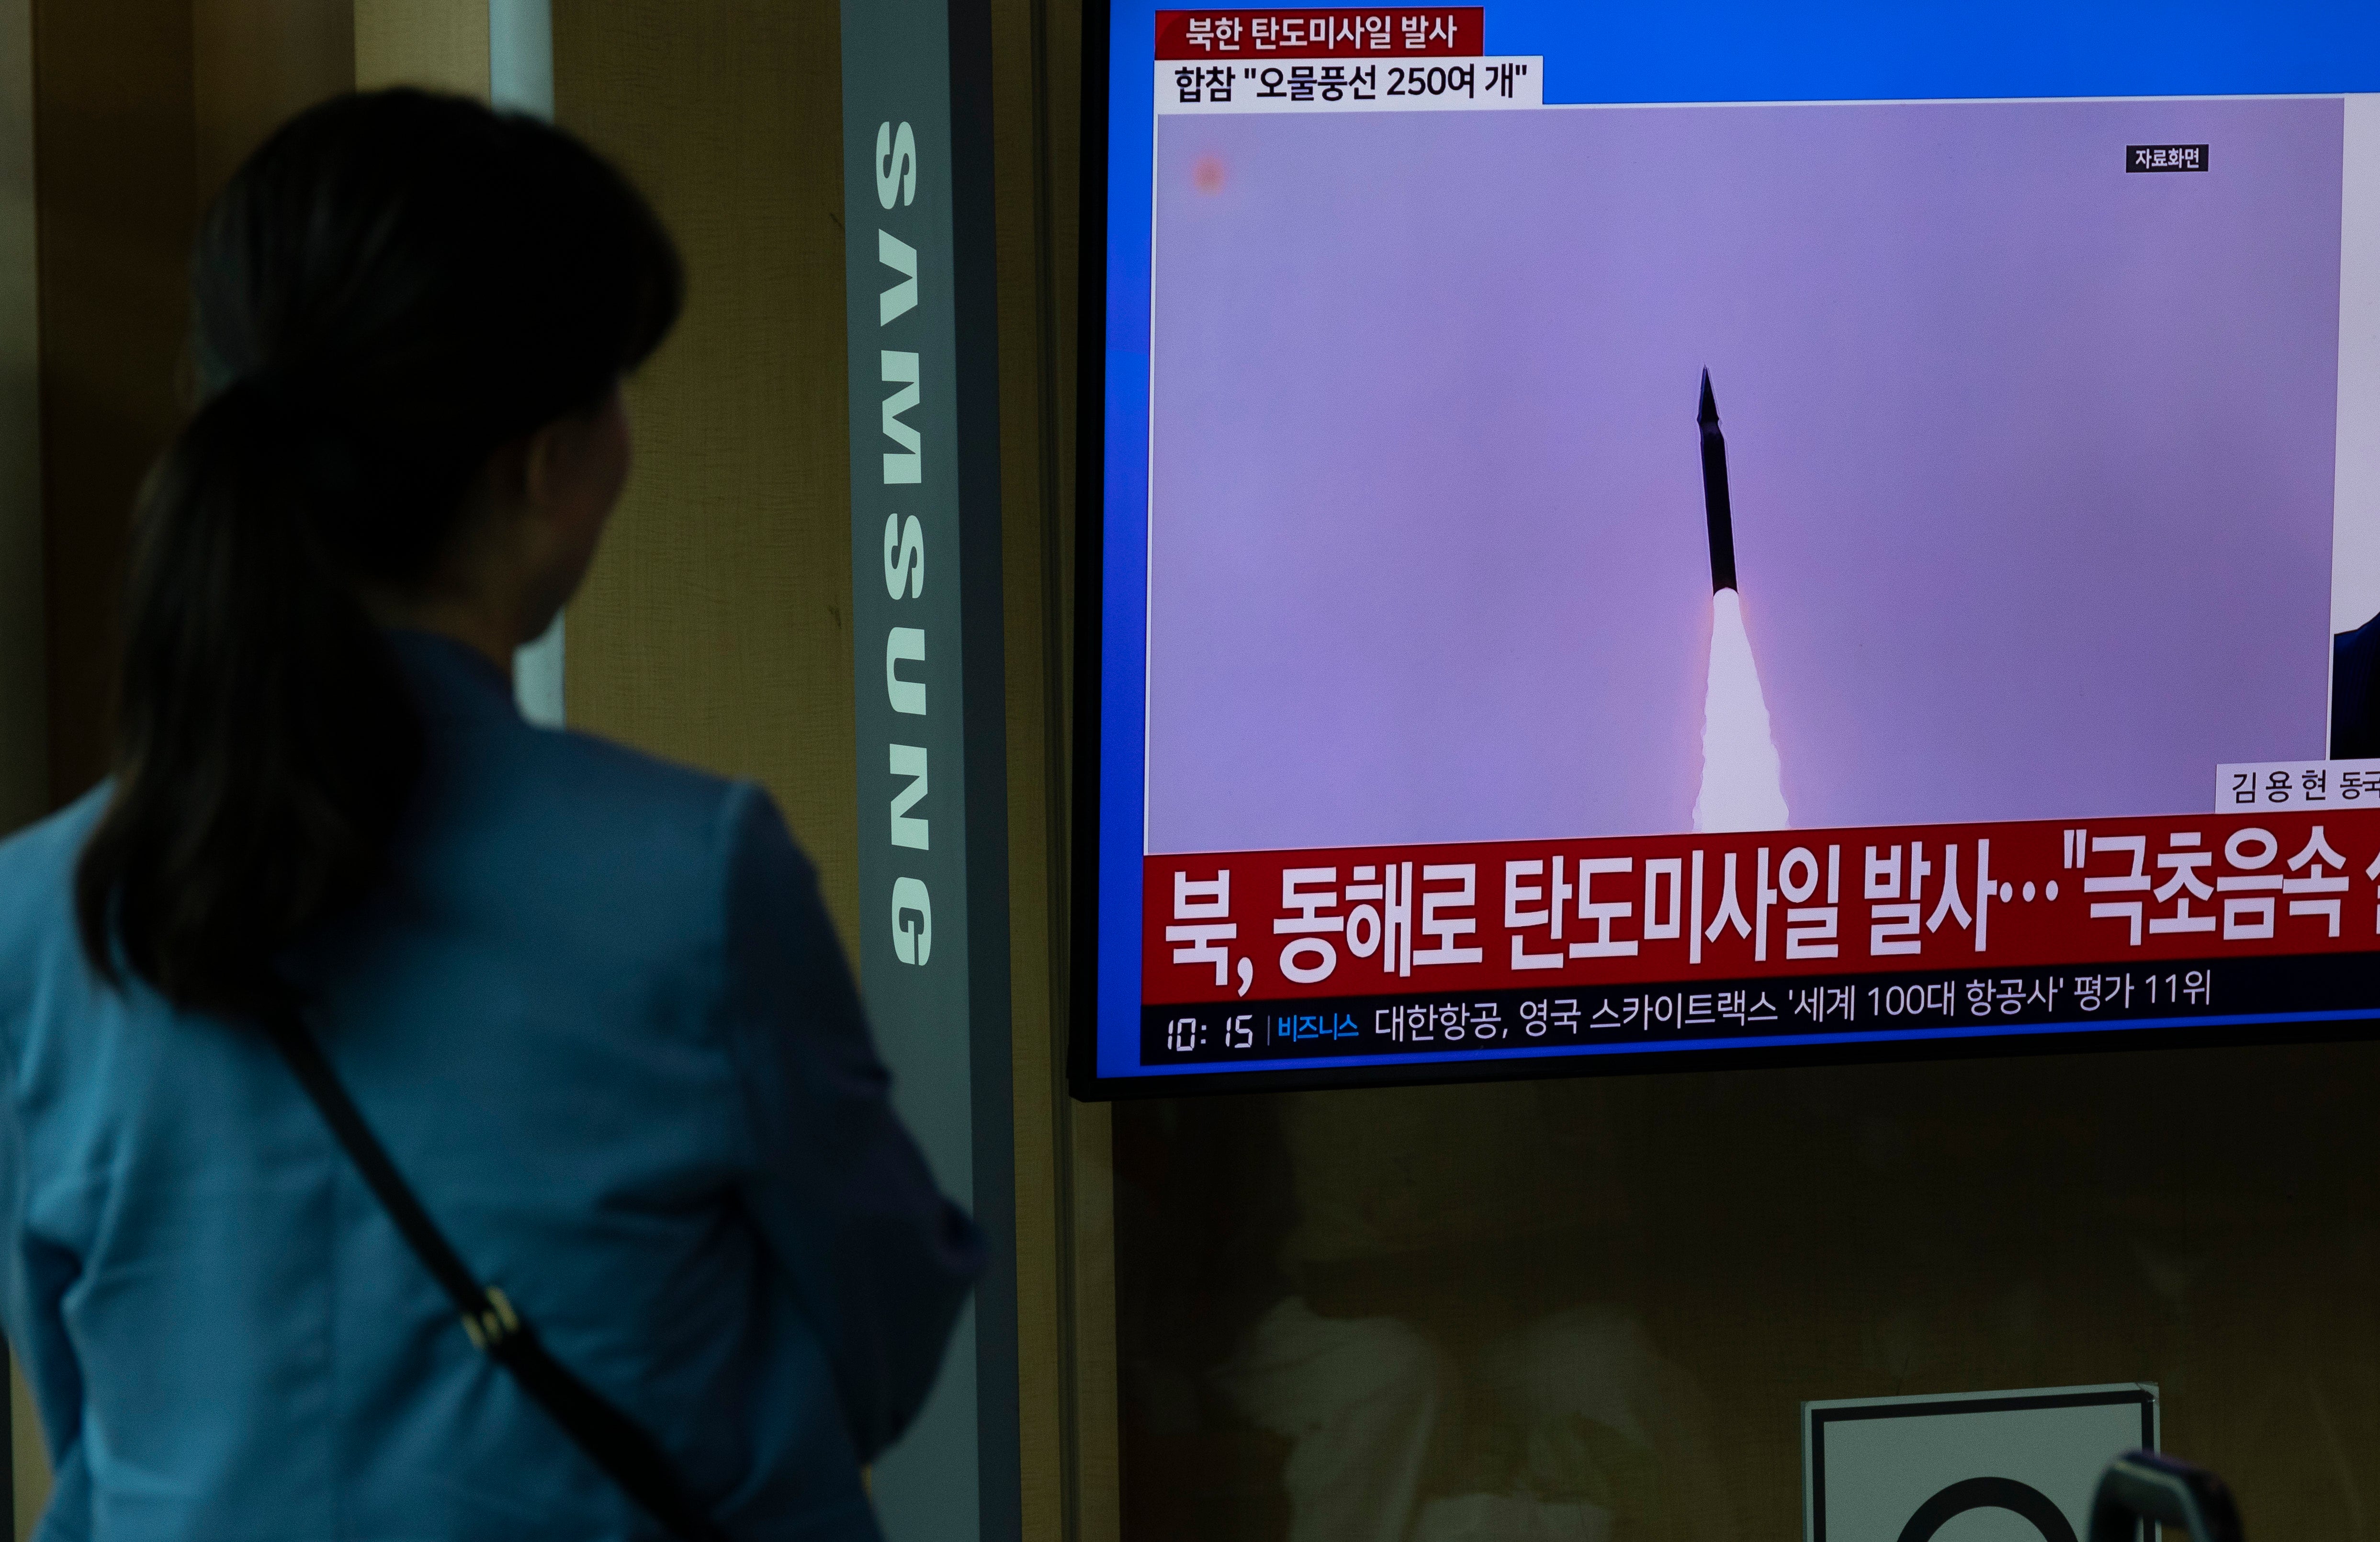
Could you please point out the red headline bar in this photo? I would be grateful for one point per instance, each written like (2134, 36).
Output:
(1272, 925)
(1410, 30)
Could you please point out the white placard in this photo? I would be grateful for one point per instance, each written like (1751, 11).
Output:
(1418, 85)
(2247, 786)
(2017, 1466)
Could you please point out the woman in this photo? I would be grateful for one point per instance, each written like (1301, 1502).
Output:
(588, 1003)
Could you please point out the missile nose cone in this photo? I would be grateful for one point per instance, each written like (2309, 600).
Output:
(1708, 416)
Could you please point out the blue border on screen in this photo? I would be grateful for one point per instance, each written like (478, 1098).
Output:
(1719, 51)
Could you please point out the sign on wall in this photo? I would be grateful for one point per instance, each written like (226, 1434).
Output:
(926, 612)
(2016, 1467)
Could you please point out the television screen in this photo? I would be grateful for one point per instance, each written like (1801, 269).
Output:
(1634, 537)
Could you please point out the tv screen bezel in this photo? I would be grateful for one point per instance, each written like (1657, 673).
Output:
(1085, 1082)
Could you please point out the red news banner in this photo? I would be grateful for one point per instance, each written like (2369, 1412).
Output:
(1412, 31)
(1286, 927)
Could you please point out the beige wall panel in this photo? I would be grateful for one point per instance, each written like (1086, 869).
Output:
(440, 44)
(1094, 1472)
(1028, 507)
(256, 63)
(29, 1462)
(715, 626)
(113, 114)
(24, 726)
(128, 117)
(1064, 1299)
(1095, 1469)
(29, 1457)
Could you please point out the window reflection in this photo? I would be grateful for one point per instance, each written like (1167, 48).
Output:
(1591, 1308)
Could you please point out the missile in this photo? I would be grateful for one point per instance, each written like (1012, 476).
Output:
(1716, 512)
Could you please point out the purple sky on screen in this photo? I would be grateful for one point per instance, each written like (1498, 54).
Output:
(2030, 457)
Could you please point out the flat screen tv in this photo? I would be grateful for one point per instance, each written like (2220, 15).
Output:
(1621, 537)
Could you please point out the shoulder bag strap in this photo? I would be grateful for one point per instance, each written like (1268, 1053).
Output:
(612, 1440)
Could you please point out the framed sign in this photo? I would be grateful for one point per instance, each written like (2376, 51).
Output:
(2018, 1466)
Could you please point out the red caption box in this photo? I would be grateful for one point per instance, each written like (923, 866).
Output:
(1407, 30)
(1288, 924)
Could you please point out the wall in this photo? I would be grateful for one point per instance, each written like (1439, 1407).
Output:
(254, 64)
(24, 726)
(715, 626)
(114, 106)
(141, 107)
(1065, 1291)
(440, 45)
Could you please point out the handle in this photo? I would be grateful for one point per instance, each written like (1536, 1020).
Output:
(2142, 1485)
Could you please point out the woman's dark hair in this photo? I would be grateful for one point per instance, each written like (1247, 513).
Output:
(392, 287)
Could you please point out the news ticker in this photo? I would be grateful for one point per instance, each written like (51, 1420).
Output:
(1703, 1014)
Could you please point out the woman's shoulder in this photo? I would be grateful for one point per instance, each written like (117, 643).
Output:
(734, 823)
(490, 772)
(598, 772)
(37, 931)
(604, 775)
(36, 862)
(60, 831)
(582, 822)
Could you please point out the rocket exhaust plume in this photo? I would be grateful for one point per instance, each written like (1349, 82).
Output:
(1742, 786)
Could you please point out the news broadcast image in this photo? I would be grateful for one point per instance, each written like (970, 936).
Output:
(1588, 580)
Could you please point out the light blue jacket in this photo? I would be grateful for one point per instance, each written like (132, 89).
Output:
(601, 1024)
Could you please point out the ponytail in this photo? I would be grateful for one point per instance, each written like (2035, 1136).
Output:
(266, 745)
(393, 287)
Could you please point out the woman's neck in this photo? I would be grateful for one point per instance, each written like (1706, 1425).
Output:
(477, 628)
